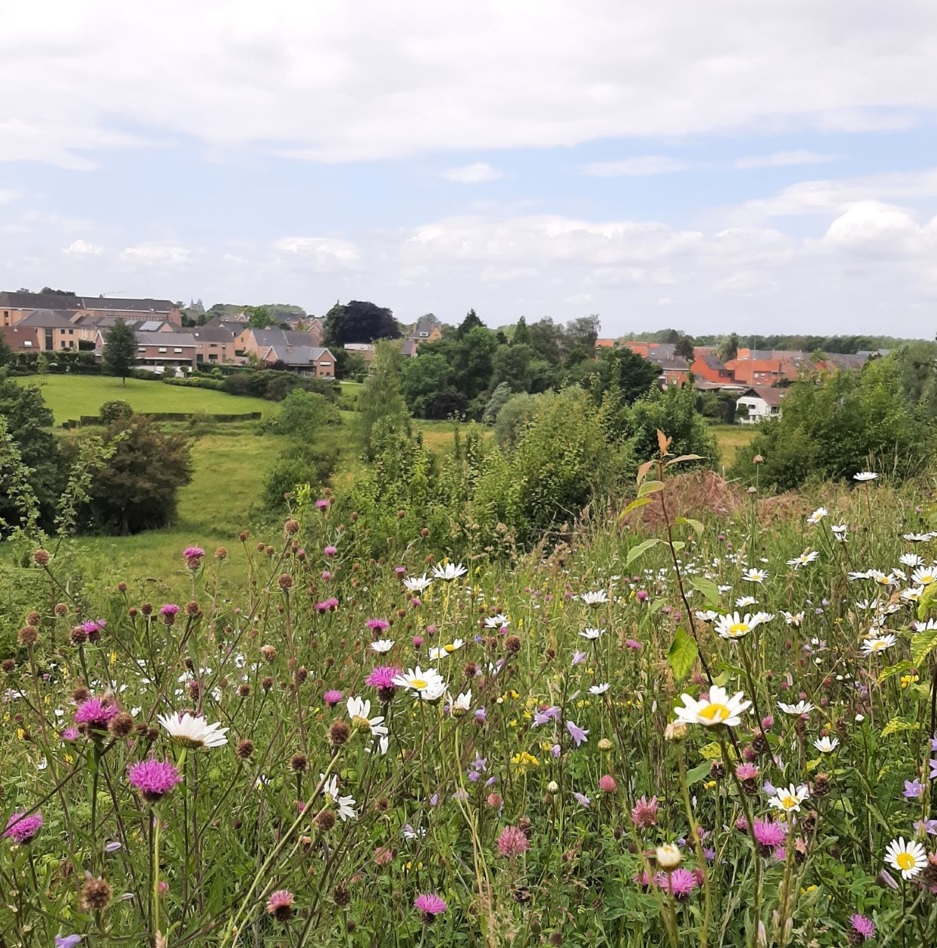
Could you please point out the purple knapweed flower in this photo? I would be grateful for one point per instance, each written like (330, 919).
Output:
(382, 676)
(93, 626)
(280, 905)
(330, 551)
(863, 927)
(634, 644)
(430, 905)
(322, 504)
(21, 828)
(95, 713)
(169, 609)
(769, 835)
(680, 883)
(332, 697)
(153, 779)
(70, 734)
(377, 625)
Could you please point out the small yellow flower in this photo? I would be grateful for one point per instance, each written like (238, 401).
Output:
(907, 680)
(20, 733)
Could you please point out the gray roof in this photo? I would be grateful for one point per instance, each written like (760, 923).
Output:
(58, 301)
(772, 396)
(48, 319)
(280, 337)
(216, 333)
(165, 338)
(295, 355)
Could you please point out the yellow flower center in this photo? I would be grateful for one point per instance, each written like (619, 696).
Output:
(905, 861)
(715, 713)
(362, 724)
(740, 628)
(449, 648)
(789, 802)
(418, 683)
(878, 645)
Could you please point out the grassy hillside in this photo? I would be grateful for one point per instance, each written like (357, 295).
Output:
(70, 396)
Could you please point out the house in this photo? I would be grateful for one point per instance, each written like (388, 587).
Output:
(426, 329)
(166, 349)
(675, 371)
(606, 343)
(366, 350)
(216, 344)
(55, 330)
(307, 360)
(708, 367)
(659, 352)
(758, 403)
(20, 339)
(316, 330)
(15, 306)
(759, 372)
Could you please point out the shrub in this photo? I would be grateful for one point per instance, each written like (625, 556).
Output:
(114, 411)
(295, 467)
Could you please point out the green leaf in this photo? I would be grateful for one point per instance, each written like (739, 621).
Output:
(682, 654)
(927, 600)
(699, 772)
(685, 457)
(897, 725)
(640, 502)
(650, 487)
(641, 548)
(695, 524)
(922, 645)
(893, 670)
(711, 751)
(677, 545)
(709, 590)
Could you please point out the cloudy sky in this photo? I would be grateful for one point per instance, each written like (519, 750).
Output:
(761, 166)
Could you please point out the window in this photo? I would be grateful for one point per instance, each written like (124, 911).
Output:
(324, 364)
(162, 348)
(177, 349)
(27, 344)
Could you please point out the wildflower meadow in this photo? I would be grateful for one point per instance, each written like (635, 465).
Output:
(713, 731)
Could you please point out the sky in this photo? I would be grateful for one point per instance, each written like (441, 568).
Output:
(761, 167)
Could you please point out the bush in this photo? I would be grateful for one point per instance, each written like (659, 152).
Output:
(295, 467)
(114, 411)
(840, 424)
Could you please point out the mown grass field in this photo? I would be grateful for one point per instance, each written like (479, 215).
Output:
(731, 438)
(71, 396)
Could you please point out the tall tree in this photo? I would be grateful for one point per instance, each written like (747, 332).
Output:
(521, 335)
(359, 321)
(470, 322)
(120, 350)
(684, 347)
(381, 402)
(729, 347)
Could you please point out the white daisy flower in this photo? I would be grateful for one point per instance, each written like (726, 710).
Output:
(789, 799)
(443, 651)
(863, 477)
(826, 745)
(449, 572)
(733, 626)
(878, 643)
(592, 634)
(818, 515)
(497, 622)
(599, 689)
(417, 584)
(744, 601)
(909, 858)
(382, 645)
(754, 575)
(797, 710)
(839, 531)
(917, 537)
(707, 616)
(422, 682)
(911, 560)
(718, 708)
(924, 576)
(595, 598)
(359, 711)
(346, 805)
(805, 559)
(461, 704)
(193, 731)
(795, 619)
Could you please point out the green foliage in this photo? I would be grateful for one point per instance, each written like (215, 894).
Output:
(840, 424)
(917, 365)
(499, 398)
(673, 411)
(358, 321)
(120, 350)
(302, 415)
(513, 417)
(115, 410)
(621, 374)
(138, 488)
(30, 446)
(299, 466)
(381, 406)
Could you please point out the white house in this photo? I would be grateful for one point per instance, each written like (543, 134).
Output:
(756, 404)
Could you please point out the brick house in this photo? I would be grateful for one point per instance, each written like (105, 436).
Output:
(55, 330)
(14, 306)
(166, 349)
(708, 367)
(216, 345)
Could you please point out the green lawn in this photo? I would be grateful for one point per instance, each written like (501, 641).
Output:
(70, 396)
(731, 438)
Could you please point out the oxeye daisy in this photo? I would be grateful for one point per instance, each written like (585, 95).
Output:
(754, 575)
(805, 559)
(717, 708)
(826, 745)
(193, 731)
(924, 576)
(878, 643)
(797, 710)
(819, 514)
(599, 689)
(863, 477)
(597, 597)
(909, 858)
(449, 572)
(789, 799)
(359, 711)
(743, 602)
(420, 681)
(382, 645)
(733, 626)
(592, 634)
(417, 584)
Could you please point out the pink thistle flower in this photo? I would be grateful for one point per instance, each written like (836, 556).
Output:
(330, 551)
(417, 641)
(169, 609)
(863, 928)
(383, 855)
(634, 644)
(21, 828)
(746, 772)
(377, 625)
(769, 835)
(153, 779)
(430, 905)
(644, 813)
(95, 713)
(382, 676)
(322, 505)
(332, 698)
(680, 883)
(642, 879)
(193, 553)
(93, 627)
(607, 783)
(280, 905)
(512, 842)
(70, 734)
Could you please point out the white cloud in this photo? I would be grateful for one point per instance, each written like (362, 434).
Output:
(642, 165)
(369, 80)
(320, 254)
(478, 173)
(781, 159)
(156, 255)
(7, 196)
(82, 248)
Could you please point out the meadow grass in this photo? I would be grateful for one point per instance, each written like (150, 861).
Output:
(600, 747)
(732, 439)
(71, 396)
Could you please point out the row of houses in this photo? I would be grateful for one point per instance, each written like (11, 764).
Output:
(162, 342)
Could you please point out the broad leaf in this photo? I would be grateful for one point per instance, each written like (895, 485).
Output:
(699, 772)
(682, 654)
(922, 645)
(709, 590)
(640, 549)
